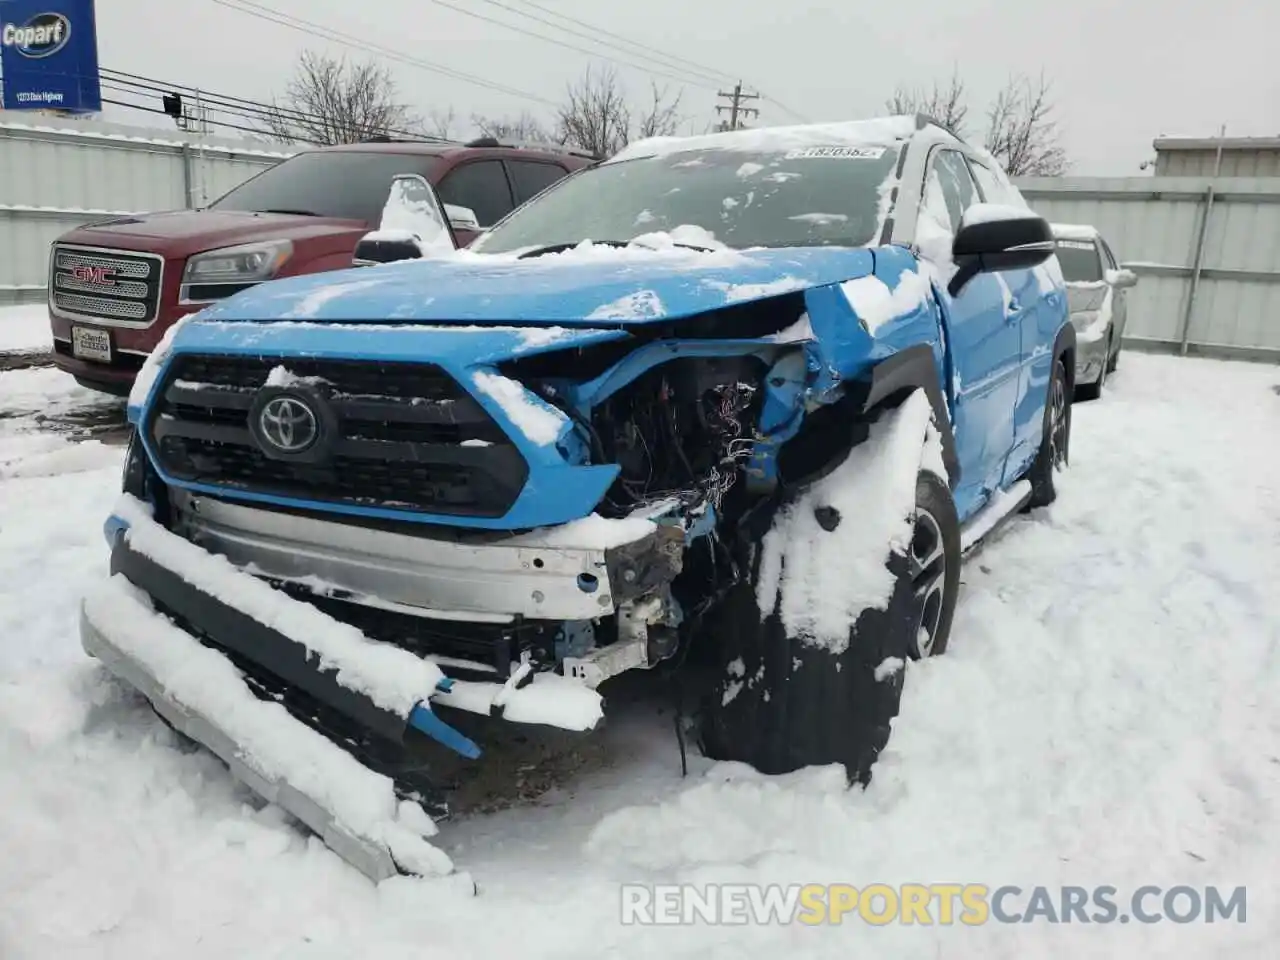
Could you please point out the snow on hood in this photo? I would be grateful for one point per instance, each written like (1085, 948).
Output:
(586, 285)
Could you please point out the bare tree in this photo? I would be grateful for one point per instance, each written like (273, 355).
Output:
(946, 104)
(596, 115)
(440, 123)
(524, 127)
(1021, 131)
(662, 117)
(331, 101)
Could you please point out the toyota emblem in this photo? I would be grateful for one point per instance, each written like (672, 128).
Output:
(288, 424)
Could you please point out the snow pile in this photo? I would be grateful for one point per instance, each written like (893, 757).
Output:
(827, 578)
(880, 132)
(25, 329)
(593, 532)
(282, 376)
(1074, 231)
(538, 421)
(641, 305)
(875, 304)
(394, 679)
(411, 214)
(549, 699)
(992, 213)
(740, 292)
(1105, 714)
(272, 743)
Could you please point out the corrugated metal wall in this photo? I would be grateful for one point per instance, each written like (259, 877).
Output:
(1207, 253)
(1261, 162)
(54, 179)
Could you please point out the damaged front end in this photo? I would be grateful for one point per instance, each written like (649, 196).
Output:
(496, 532)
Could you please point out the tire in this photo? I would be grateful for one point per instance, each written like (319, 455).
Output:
(1093, 391)
(1055, 445)
(779, 702)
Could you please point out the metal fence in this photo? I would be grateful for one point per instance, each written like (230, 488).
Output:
(53, 179)
(1206, 250)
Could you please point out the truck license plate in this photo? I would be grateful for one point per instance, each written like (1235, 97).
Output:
(90, 344)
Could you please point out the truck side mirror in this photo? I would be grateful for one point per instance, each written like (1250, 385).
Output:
(413, 225)
(462, 218)
(993, 238)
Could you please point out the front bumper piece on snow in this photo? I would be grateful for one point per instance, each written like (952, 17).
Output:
(200, 661)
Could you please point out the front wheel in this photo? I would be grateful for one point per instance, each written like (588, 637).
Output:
(781, 701)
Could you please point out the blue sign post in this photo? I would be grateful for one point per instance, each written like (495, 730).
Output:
(49, 55)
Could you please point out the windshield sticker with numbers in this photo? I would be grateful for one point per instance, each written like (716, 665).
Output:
(836, 153)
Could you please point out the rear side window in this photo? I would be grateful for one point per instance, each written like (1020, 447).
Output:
(480, 185)
(531, 178)
(1079, 261)
(349, 184)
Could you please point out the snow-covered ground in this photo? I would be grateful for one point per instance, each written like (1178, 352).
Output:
(25, 329)
(1108, 712)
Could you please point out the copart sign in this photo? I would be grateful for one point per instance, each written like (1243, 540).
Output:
(49, 53)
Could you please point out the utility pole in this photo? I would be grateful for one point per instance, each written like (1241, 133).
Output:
(735, 107)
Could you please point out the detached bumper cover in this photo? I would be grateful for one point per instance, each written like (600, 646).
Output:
(197, 690)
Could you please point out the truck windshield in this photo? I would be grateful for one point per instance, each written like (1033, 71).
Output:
(346, 184)
(1079, 261)
(827, 196)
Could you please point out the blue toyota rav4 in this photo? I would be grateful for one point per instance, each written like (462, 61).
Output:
(734, 405)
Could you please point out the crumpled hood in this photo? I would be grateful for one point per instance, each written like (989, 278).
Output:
(590, 286)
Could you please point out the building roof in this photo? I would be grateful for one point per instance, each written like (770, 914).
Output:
(1169, 144)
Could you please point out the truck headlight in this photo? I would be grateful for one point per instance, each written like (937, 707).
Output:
(220, 273)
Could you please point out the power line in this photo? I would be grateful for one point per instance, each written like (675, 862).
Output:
(719, 76)
(264, 12)
(700, 75)
(239, 106)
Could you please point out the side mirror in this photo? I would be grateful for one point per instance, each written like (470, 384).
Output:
(462, 218)
(413, 225)
(1121, 278)
(993, 238)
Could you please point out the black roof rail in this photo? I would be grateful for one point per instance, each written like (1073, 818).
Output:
(531, 145)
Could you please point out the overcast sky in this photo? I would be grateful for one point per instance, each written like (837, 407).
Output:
(1124, 71)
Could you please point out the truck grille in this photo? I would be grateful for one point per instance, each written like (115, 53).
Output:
(110, 286)
(407, 436)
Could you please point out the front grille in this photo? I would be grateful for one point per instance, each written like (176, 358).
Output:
(408, 437)
(112, 286)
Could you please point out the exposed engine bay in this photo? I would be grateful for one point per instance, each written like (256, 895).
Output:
(682, 431)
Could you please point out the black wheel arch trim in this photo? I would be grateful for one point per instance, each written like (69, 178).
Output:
(1065, 344)
(915, 368)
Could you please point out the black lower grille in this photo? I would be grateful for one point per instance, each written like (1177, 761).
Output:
(402, 436)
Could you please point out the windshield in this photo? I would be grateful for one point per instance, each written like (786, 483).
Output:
(821, 196)
(1079, 261)
(347, 184)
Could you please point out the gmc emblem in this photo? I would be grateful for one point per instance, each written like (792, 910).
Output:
(101, 276)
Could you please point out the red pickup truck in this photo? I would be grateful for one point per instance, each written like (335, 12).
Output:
(116, 286)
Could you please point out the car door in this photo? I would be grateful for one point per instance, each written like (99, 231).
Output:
(1119, 295)
(1036, 320)
(481, 186)
(986, 348)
